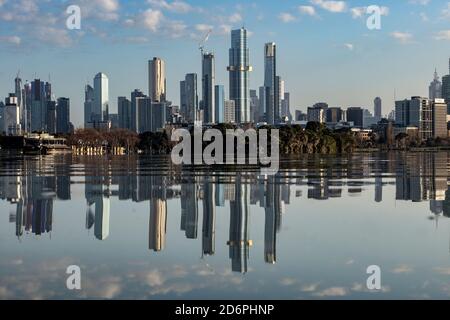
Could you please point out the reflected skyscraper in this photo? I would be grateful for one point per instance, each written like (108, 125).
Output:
(271, 223)
(239, 243)
(209, 219)
(102, 211)
(189, 209)
(157, 224)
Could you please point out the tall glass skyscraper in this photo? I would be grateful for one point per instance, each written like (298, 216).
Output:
(208, 82)
(220, 103)
(101, 97)
(239, 69)
(157, 80)
(270, 75)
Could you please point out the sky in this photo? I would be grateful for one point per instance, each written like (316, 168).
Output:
(325, 50)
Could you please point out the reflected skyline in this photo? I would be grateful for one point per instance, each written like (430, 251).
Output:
(417, 177)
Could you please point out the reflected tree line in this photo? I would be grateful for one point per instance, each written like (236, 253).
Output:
(34, 185)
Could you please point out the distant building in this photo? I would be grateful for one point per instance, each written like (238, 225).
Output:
(318, 112)
(377, 108)
(333, 115)
(286, 106)
(63, 116)
(219, 104)
(152, 116)
(50, 120)
(208, 83)
(134, 109)
(355, 115)
(124, 112)
(189, 98)
(439, 108)
(415, 112)
(435, 88)
(101, 98)
(300, 116)
(157, 80)
(254, 106)
(446, 87)
(88, 105)
(2, 116)
(11, 116)
(230, 110)
(270, 82)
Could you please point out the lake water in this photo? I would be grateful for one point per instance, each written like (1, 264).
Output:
(140, 228)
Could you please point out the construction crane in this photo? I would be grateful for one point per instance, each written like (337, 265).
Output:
(204, 41)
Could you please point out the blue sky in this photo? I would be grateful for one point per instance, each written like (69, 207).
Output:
(325, 51)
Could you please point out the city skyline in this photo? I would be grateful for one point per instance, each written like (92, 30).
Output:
(377, 57)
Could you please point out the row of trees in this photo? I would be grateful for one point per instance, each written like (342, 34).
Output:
(316, 138)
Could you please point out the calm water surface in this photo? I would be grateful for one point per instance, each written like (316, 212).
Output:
(140, 228)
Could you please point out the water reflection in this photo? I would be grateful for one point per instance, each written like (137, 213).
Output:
(34, 184)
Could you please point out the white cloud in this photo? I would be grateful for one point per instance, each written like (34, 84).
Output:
(402, 37)
(2, 2)
(15, 40)
(402, 269)
(307, 10)
(203, 27)
(105, 10)
(235, 18)
(446, 11)
(349, 46)
(443, 35)
(329, 5)
(174, 6)
(286, 17)
(51, 35)
(151, 19)
(359, 12)
(332, 292)
(420, 2)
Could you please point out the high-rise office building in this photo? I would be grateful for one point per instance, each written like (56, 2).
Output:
(101, 98)
(270, 75)
(157, 80)
(50, 121)
(377, 108)
(20, 100)
(63, 116)
(254, 106)
(124, 112)
(355, 115)
(446, 87)
(439, 108)
(88, 106)
(262, 104)
(11, 116)
(415, 112)
(40, 95)
(134, 109)
(152, 116)
(435, 88)
(318, 112)
(286, 106)
(208, 83)
(189, 98)
(2, 117)
(219, 104)
(230, 111)
(334, 115)
(239, 68)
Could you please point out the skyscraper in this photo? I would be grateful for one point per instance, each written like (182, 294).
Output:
(134, 109)
(88, 105)
(101, 98)
(63, 116)
(20, 100)
(157, 80)
(124, 112)
(439, 108)
(270, 85)
(208, 83)
(435, 88)
(189, 98)
(446, 87)
(219, 104)
(11, 114)
(377, 108)
(356, 115)
(254, 106)
(230, 111)
(40, 95)
(239, 68)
